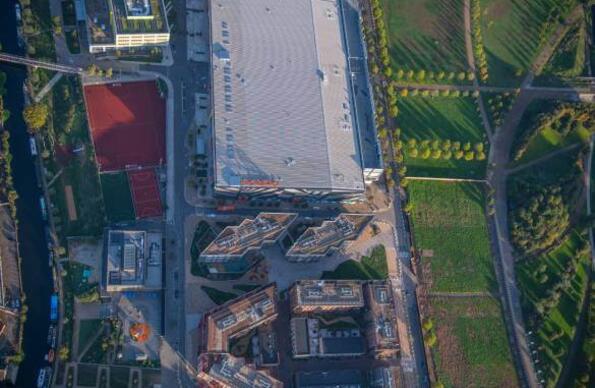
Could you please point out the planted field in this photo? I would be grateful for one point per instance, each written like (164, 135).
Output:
(117, 197)
(217, 296)
(446, 119)
(451, 235)
(471, 348)
(513, 31)
(426, 34)
(87, 375)
(553, 287)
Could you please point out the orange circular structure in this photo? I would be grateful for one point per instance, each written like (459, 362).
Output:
(139, 332)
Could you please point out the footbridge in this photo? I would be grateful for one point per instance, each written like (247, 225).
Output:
(4, 57)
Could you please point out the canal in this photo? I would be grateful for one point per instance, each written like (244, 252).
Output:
(36, 274)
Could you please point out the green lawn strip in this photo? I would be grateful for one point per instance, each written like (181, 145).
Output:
(450, 233)
(513, 31)
(376, 263)
(88, 328)
(72, 41)
(87, 375)
(442, 118)
(371, 267)
(426, 34)
(472, 347)
(117, 197)
(203, 236)
(217, 296)
(245, 287)
(538, 279)
(68, 13)
(119, 377)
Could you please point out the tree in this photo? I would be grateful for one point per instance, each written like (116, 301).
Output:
(109, 72)
(404, 92)
(375, 69)
(467, 146)
(436, 154)
(470, 76)
(394, 111)
(480, 155)
(469, 155)
(459, 154)
(410, 74)
(35, 116)
(440, 75)
(461, 76)
(388, 72)
(421, 75)
(400, 74)
(479, 147)
(63, 353)
(451, 76)
(413, 152)
(425, 153)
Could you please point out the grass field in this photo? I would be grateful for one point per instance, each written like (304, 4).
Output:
(117, 197)
(371, 267)
(556, 331)
(443, 118)
(72, 41)
(426, 34)
(87, 375)
(512, 32)
(450, 232)
(217, 296)
(119, 377)
(472, 347)
(88, 328)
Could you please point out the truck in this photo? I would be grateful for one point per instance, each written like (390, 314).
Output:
(44, 210)
(54, 307)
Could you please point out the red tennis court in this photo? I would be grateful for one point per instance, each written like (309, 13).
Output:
(145, 193)
(127, 123)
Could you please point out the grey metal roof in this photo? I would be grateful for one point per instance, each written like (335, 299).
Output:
(281, 96)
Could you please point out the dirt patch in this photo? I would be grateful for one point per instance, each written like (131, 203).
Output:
(452, 358)
(68, 194)
(498, 10)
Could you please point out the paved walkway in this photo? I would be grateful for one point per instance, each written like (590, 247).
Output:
(497, 176)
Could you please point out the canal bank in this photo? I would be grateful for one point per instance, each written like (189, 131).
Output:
(36, 274)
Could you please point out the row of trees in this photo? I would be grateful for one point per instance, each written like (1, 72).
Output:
(445, 149)
(405, 92)
(564, 118)
(478, 47)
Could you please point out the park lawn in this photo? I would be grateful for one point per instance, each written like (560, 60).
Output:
(426, 34)
(512, 32)
(88, 328)
(217, 296)
(472, 347)
(245, 287)
(442, 118)
(373, 267)
(562, 319)
(119, 377)
(569, 59)
(549, 140)
(77, 169)
(117, 197)
(87, 375)
(451, 236)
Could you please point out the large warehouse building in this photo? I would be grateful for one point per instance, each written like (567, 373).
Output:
(282, 99)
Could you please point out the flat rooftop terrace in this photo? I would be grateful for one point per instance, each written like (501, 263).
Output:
(99, 25)
(250, 310)
(339, 293)
(282, 104)
(235, 241)
(317, 241)
(138, 17)
(231, 371)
